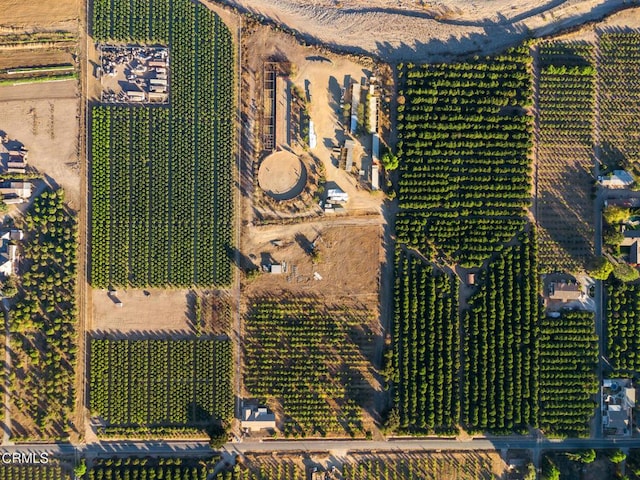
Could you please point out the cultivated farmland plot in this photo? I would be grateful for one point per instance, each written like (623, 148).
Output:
(151, 468)
(465, 137)
(623, 324)
(43, 322)
(426, 341)
(500, 344)
(33, 472)
(140, 386)
(464, 143)
(564, 210)
(618, 71)
(479, 466)
(568, 358)
(161, 178)
(314, 359)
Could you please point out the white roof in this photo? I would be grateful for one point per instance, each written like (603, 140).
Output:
(618, 178)
(276, 268)
(375, 147)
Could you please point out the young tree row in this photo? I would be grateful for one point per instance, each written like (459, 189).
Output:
(147, 384)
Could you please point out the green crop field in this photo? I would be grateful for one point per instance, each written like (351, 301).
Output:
(33, 472)
(568, 357)
(464, 144)
(426, 342)
(465, 134)
(623, 326)
(566, 97)
(43, 322)
(141, 386)
(161, 178)
(500, 344)
(149, 468)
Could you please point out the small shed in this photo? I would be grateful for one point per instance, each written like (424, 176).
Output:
(276, 268)
(348, 146)
(375, 177)
(471, 279)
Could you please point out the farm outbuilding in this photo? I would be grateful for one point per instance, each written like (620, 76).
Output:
(375, 148)
(348, 146)
(257, 418)
(565, 291)
(16, 189)
(373, 110)
(355, 103)
(9, 251)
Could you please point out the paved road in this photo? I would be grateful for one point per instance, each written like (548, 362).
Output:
(599, 317)
(601, 324)
(195, 448)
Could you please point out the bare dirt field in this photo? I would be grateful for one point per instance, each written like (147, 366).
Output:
(45, 118)
(34, 57)
(413, 30)
(161, 311)
(348, 260)
(26, 16)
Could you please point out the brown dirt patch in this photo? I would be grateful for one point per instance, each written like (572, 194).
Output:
(426, 31)
(348, 259)
(33, 58)
(216, 312)
(18, 15)
(48, 128)
(282, 175)
(162, 310)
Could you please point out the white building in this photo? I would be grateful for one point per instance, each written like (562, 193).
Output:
(257, 418)
(375, 148)
(355, 103)
(9, 251)
(349, 146)
(16, 189)
(618, 402)
(375, 177)
(373, 110)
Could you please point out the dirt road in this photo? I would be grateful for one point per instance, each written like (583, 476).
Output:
(37, 91)
(452, 28)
